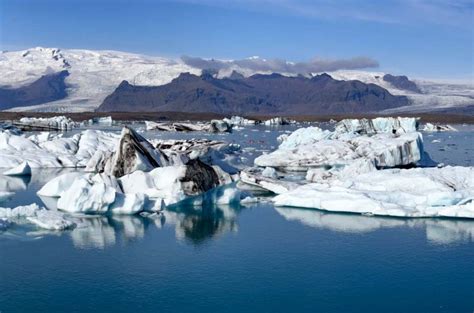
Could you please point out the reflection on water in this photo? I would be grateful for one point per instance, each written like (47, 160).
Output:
(193, 224)
(439, 231)
(14, 183)
(199, 224)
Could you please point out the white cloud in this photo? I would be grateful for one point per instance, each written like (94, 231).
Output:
(282, 66)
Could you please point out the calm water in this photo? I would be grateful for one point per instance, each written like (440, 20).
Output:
(253, 258)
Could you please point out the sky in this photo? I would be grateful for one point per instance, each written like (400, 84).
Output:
(419, 38)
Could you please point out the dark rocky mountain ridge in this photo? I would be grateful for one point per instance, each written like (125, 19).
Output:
(401, 82)
(257, 94)
(47, 88)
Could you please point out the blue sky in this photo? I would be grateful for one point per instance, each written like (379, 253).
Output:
(421, 38)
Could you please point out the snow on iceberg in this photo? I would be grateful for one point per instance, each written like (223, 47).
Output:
(420, 192)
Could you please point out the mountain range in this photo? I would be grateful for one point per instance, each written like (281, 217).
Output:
(72, 80)
(257, 94)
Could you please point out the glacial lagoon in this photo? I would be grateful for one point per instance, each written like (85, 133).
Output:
(241, 257)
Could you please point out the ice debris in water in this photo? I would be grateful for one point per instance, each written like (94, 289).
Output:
(420, 192)
(438, 128)
(55, 122)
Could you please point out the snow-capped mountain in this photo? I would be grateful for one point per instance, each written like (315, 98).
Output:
(93, 75)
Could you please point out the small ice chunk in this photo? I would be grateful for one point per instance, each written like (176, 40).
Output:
(19, 211)
(52, 220)
(269, 172)
(23, 169)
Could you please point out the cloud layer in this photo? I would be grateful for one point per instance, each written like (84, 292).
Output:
(282, 66)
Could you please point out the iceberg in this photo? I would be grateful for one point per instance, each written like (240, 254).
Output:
(87, 194)
(388, 142)
(139, 191)
(418, 192)
(46, 150)
(21, 170)
(56, 186)
(19, 211)
(54, 123)
(378, 125)
(133, 152)
(386, 150)
(240, 121)
(437, 128)
(278, 121)
(215, 126)
(106, 120)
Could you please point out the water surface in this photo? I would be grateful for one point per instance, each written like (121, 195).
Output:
(254, 258)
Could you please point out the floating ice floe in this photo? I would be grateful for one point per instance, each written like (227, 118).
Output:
(240, 121)
(438, 128)
(45, 219)
(215, 126)
(51, 220)
(19, 211)
(52, 123)
(278, 121)
(378, 125)
(106, 120)
(420, 192)
(21, 170)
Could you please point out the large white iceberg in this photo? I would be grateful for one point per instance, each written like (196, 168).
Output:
(386, 150)
(388, 142)
(140, 191)
(420, 192)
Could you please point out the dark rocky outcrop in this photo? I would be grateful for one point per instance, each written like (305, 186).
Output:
(257, 94)
(401, 82)
(45, 89)
(133, 152)
(199, 178)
